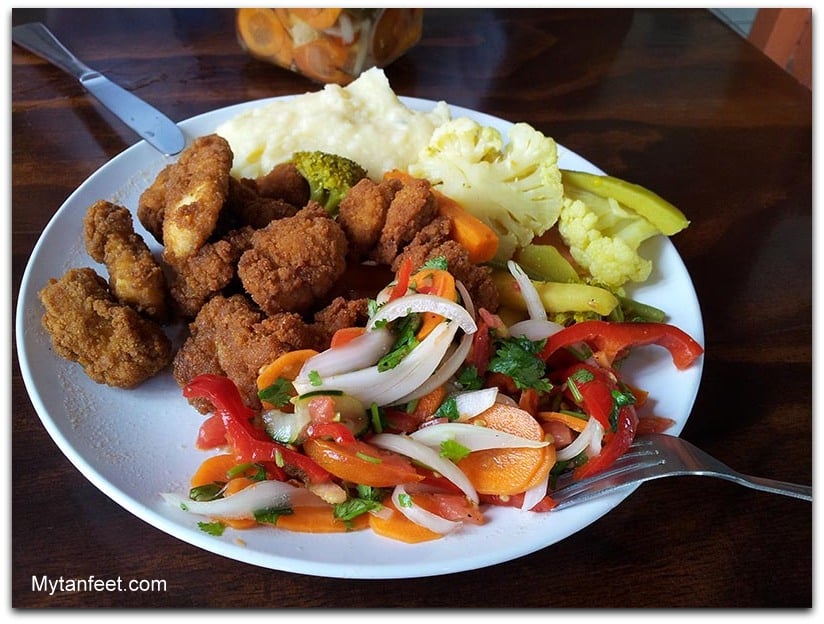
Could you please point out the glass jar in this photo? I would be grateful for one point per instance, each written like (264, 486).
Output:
(328, 45)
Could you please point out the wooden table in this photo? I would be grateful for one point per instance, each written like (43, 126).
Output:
(671, 99)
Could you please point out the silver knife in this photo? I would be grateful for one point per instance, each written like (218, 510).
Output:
(152, 125)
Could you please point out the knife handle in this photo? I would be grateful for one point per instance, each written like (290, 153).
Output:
(37, 38)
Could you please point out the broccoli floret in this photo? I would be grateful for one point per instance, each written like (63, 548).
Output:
(603, 237)
(514, 188)
(330, 176)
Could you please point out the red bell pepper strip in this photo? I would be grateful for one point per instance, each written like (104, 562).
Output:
(615, 444)
(593, 391)
(597, 389)
(402, 282)
(614, 338)
(249, 442)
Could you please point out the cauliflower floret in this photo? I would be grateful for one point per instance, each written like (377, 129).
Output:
(515, 188)
(604, 237)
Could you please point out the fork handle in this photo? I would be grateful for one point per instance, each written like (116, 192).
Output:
(804, 492)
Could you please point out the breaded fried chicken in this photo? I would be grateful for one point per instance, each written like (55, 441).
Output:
(152, 204)
(196, 190)
(362, 214)
(412, 207)
(245, 206)
(230, 337)
(434, 241)
(112, 342)
(208, 272)
(340, 313)
(135, 277)
(294, 262)
(284, 182)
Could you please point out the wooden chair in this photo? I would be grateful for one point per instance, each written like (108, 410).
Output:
(786, 36)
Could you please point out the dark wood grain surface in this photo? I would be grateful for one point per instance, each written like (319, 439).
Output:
(671, 99)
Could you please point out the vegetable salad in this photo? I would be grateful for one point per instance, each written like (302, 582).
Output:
(414, 424)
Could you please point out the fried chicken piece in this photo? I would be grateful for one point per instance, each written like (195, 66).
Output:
(152, 204)
(341, 313)
(294, 262)
(412, 207)
(362, 214)
(230, 337)
(284, 182)
(196, 189)
(135, 277)
(113, 343)
(210, 271)
(245, 206)
(434, 241)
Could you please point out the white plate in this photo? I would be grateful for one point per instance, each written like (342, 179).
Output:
(134, 444)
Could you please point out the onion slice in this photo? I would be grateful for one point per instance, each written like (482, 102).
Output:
(534, 329)
(454, 361)
(370, 385)
(244, 504)
(589, 438)
(534, 306)
(402, 306)
(405, 504)
(472, 402)
(535, 494)
(415, 450)
(360, 352)
(473, 437)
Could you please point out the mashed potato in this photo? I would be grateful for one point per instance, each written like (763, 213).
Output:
(364, 121)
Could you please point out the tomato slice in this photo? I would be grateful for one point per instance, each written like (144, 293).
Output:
(362, 463)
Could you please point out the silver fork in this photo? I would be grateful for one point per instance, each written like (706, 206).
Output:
(659, 455)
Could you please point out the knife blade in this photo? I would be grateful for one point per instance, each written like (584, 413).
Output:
(148, 122)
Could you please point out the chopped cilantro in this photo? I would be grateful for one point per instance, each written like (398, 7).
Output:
(315, 378)
(278, 393)
(517, 357)
(212, 528)
(450, 449)
(270, 515)
(469, 379)
(438, 262)
(448, 409)
(405, 330)
(354, 507)
(404, 500)
(619, 400)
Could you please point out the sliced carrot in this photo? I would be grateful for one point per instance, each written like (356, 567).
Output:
(474, 235)
(573, 422)
(510, 470)
(287, 366)
(264, 35)
(323, 59)
(433, 282)
(346, 335)
(396, 526)
(214, 469)
(318, 19)
(320, 519)
(428, 404)
(362, 463)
